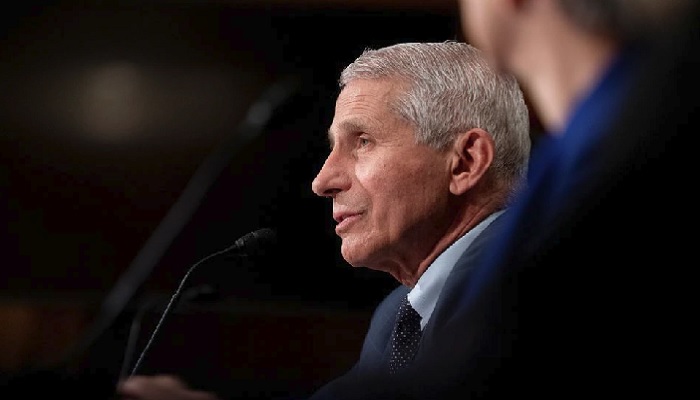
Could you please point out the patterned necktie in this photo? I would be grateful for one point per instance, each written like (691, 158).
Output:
(405, 337)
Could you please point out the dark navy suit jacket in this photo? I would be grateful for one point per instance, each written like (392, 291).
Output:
(368, 378)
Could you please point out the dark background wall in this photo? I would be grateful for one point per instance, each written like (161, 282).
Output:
(107, 112)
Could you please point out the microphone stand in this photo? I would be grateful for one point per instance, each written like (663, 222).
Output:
(153, 303)
(257, 117)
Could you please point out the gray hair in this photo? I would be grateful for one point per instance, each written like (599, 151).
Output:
(623, 19)
(448, 89)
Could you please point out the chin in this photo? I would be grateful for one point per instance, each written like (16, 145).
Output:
(351, 258)
(365, 249)
(354, 254)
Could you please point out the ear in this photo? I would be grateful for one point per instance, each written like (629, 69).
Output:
(472, 155)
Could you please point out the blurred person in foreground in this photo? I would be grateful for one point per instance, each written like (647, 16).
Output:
(583, 294)
(427, 147)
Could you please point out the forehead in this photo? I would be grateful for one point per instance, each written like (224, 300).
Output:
(366, 96)
(364, 103)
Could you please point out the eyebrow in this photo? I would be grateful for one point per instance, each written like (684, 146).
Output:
(351, 125)
(331, 141)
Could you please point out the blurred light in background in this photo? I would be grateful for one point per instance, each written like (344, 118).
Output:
(111, 102)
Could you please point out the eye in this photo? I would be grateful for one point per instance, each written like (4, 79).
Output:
(362, 141)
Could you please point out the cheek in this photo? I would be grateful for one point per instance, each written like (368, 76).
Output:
(384, 178)
(477, 24)
(471, 21)
(403, 192)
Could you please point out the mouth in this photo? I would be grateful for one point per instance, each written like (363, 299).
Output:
(344, 220)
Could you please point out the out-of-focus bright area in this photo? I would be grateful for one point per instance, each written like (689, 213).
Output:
(109, 109)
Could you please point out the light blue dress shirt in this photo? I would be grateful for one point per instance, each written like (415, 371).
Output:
(426, 292)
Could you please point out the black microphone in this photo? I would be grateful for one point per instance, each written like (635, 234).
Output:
(254, 244)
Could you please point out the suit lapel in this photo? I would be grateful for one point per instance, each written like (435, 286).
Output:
(458, 280)
(375, 349)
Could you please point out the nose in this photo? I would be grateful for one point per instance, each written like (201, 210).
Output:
(332, 178)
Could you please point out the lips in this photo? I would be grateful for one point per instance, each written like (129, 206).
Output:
(344, 219)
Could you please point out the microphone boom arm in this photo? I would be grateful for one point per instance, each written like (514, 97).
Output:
(257, 118)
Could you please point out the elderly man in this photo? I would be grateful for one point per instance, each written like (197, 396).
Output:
(428, 145)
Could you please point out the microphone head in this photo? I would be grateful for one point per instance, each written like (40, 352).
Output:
(256, 243)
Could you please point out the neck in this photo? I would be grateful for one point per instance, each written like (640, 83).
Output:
(557, 75)
(463, 221)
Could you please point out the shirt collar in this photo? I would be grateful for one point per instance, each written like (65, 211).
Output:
(424, 295)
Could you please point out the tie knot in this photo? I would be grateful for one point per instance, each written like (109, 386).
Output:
(408, 315)
(405, 337)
